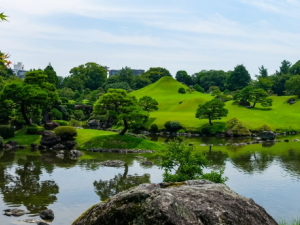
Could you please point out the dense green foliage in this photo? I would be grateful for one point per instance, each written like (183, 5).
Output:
(62, 122)
(7, 131)
(172, 126)
(293, 85)
(155, 73)
(181, 90)
(65, 132)
(32, 130)
(239, 78)
(148, 104)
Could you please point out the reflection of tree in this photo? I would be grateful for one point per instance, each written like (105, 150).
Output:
(253, 161)
(25, 188)
(290, 161)
(119, 183)
(216, 157)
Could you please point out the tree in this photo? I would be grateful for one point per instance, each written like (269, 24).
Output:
(148, 104)
(91, 74)
(210, 78)
(155, 73)
(181, 90)
(3, 17)
(293, 85)
(279, 81)
(295, 69)
(141, 81)
(122, 107)
(118, 85)
(52, 77)
(126, 75)
(33, 94)
(212, 110)
(239, 78)
(183, 77)
(285, 66)
(263, 72)
(187, 163)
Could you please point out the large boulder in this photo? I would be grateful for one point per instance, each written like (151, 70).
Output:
(267, 135)
(51, 125)
(94, 124)
(291, 101)
(50, 139)
(47, 214)
(192, 202)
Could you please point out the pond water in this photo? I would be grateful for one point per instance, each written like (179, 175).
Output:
(34, 181)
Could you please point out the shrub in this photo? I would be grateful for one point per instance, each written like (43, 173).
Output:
(32, 130)
(62, 122)
(66, 132)
(231, 123)
(181, 90)
(74, 123)
(172, 126)
(240, 130)
(214, 129)
(153, 128)
(181, 131)
(7, 131)
(56, 114)
(216, 177)
(198, 88)
(264, 128)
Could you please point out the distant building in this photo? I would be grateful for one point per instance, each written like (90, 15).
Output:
(19, 70)
(135, 72)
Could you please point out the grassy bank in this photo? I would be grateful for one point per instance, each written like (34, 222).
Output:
(182, 108)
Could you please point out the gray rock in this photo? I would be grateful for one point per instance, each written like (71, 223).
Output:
(59, 146)
(51, 125)
(190, 203)
(70, 144)
(50, 139)
(75, 153)
(60, 156)
(267, 135)
(47, 214)
(42, 223)
(147, 163)
(113, 163)
(14, 212)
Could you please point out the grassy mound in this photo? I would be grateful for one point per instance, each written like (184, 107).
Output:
(182, 107)
(103, 139)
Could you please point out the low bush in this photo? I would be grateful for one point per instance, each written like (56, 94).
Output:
(216, 177)
(181, 131)
(172, 126)
(240, 130)
(62, 122)
(66, 132)
(217, 127)
(264, 128)
(7, 131)
(56, 114)
(32, 130)
(74, 123)
(153, 128)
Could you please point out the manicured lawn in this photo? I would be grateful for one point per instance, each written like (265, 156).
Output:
(24, 139)
(182, 107)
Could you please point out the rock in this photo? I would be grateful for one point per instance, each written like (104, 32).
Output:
(14, 212)
(8, 147)
(42, 223)
(49, 139)
(196, 202)
(286, 140)
(147, 163)
(202, 144)
(291, 101)
(267, 135)
(70, 144)
(41, 147)
(191, 144)
(60, 156)
(12, 143)
(34, 146)
(75, 153)
(33, 221)
(47, 214)
(51, 125)
(296, 140)
(220, 144)
(58, 146)
(113, 163)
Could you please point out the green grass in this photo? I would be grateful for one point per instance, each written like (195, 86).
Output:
(24, 139)
(104, 139)
(294, 222)
(182, 107)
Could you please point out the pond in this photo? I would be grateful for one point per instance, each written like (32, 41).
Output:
(34, 181)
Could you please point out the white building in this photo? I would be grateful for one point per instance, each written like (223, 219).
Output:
(19, 70)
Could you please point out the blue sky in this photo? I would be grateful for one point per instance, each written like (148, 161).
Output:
(190, 35)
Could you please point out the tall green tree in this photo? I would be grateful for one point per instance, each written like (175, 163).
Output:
(239, 78)
(148, 104)
(295, 69)
(211, 110)
(183, 77)
(52, 77)
(263, 72)
(293, 85)
(141, 81)
(122, 107)
(210, 78)
(155, 73)
(126, 75)
(285, 67)
(91, 74)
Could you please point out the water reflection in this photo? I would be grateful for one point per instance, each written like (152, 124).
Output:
(118, 183)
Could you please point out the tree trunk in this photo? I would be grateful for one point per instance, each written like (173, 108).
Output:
(125, 127)
(209, 119)
(254, 105)
(24, 114)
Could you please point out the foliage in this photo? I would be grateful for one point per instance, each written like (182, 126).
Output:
(216, 177)
(190, 90)
(211, 110)
(183, 77)
(285, 67)
(263, 72)
(264, 128)
(148, 104)
(66, 93)
(121, 107)
(295, 69)
(240, 130)
(3, 17)
(74, 123)
(32, 130)
(198, 88)
(56, 114)
(155, 73)
(279, 81)
(118, 85)
(231, 123)
(7, 131)
(1, 142)
(62, 122)
(79, 115)
(216, 128)
(126, 75)
(293, 85)
(172, 126)
(52, 77)
(239, 78)
(141, 81)
(153, 128)
(187, 163)
(181, 90)
(65, 132)
(210, 78)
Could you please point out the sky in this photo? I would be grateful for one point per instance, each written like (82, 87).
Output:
(191, 35)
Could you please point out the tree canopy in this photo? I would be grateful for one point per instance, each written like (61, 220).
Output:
(239, 78)
(155, 73)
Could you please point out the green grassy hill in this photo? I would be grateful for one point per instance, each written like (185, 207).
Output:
(182, 107)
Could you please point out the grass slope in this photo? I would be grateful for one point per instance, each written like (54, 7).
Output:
(280, 116)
